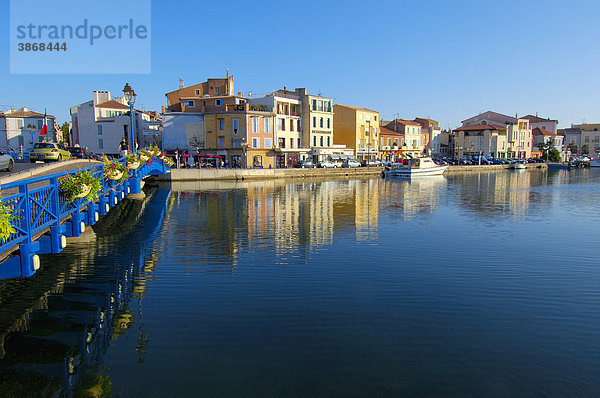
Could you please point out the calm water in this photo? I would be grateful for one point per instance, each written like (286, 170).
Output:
(471, 285)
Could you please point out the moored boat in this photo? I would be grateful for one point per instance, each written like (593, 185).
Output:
(415, 167)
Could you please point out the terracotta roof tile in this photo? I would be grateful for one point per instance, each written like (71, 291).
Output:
(27, 113)
(112, 104)
(386, 131)
(540, 131)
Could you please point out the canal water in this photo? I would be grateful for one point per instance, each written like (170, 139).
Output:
(463, 285)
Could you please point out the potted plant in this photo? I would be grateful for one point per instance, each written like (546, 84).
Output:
(168, 161)
(133, 162)
(80, 185)
(145, 155)
(6, 216)
(114, 171)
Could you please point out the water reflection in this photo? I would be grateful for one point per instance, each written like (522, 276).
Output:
(56, 326)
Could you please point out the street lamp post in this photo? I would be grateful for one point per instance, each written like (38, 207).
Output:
(161, 129)
(130, 97)
(31, 128)
(244, 152)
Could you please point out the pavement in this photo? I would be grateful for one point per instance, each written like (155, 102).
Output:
(25, 170)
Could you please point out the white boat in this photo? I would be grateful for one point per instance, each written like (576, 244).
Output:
(415, 167)
(518, 166)
(595, 163)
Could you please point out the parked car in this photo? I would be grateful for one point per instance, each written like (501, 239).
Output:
(371, 163)
(327, 164)
(350, 163)
(304, 164)
(48, 151)
(78, 152)
(6, 161)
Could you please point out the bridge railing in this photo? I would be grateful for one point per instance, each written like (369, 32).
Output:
(38, 204)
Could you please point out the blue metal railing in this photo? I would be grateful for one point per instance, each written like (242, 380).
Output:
(39, 204)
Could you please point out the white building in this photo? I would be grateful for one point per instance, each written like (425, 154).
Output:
(183, 131)
(20, 129)
(101, 123)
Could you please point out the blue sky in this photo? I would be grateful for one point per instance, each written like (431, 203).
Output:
(447, 60)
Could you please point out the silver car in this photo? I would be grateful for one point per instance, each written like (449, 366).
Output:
(6, 161)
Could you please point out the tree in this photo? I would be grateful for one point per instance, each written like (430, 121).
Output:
(585, 149)
(65, 131)
(553, 155)
(573, 148)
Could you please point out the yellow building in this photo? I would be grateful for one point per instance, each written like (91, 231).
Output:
(317, 124)
(357, 128)
(244, 138)
(413, 146)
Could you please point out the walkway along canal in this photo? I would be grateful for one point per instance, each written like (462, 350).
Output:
(43, 218)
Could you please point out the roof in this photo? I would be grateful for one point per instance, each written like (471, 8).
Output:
(536, 119)
(540, 131)
(27, 113)
(495, 113)
(357, 108)
(406, 122)
(112, 104)
(480, 127)
(386, 131)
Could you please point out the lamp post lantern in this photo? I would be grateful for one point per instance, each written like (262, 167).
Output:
(161, 129)
(130, 97)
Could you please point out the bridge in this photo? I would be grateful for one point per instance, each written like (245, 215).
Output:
(43, 218)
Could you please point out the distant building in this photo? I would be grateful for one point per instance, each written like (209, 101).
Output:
(357, 128)
(21, 128)
(572, 136)
(412, 136)
(539, 122)
(390, 144)
(213, 95)
(484, 139)
(545, 136)
(288, 137)
(431, 136)
(491, 118)
(590, 136)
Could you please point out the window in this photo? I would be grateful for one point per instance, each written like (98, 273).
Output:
(99, 129)
(328, 141)
(321, 141)
(314, 105)
(258, 161)
(268, 143)
(254, 142)
(100, 143)
(314, 140)
(597, 138)
(281, 124)
(197, 92)
(221, 124)
(321, 122)
(291, 125)
(587, 138)
(236, 125)
(320, 105)
(281, 142)
(314, 121)
(218, 102)
(40, 124)
(328, 123)
(293, 110)
(216, 90)
(327, 106)
(221, 141)
(19, 123)
(291, 142)
(299, 143)
(360, 116)
(375, 118)
(268, 125)
(255, 125)
(189, 103)
(390, 141)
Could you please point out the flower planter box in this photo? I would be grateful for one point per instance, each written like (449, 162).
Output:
(85, 190)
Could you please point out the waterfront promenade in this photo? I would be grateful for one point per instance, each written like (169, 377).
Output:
(266, 174)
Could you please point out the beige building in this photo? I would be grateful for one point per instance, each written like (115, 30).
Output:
(357, 128)
(484, 139)
(590, 136)
(317, 124)
(520, 139)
